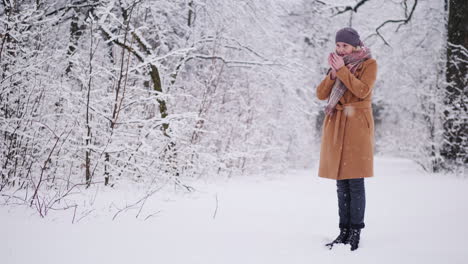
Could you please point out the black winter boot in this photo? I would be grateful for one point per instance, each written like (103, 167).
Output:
(342, 237)
(353, 238)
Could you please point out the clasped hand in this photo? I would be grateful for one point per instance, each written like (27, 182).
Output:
(335, 62)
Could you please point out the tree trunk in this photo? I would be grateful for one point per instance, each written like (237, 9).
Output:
(455, 132)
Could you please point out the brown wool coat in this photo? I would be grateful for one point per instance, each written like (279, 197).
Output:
(347, 150)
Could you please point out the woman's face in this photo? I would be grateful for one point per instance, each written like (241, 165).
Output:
(343, 48)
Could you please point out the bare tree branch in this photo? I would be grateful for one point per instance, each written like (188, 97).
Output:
(350, 8)
(402, 21)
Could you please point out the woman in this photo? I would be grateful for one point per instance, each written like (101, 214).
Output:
(346, 153)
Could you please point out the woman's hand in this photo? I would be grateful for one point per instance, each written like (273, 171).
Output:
(336, 62)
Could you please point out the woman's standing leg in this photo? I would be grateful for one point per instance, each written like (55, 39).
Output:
(357, 209)
(358, 203)
(344, 203)
(343, 211)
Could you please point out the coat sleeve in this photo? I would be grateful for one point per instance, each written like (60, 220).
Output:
(361, 88)
(324, 88)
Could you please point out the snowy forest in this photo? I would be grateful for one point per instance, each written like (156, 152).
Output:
(96, 92)
(142, 96)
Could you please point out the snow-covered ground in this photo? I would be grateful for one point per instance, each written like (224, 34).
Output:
(411, 217)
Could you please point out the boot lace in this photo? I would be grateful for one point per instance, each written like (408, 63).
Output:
(342, 236)
(354, 236)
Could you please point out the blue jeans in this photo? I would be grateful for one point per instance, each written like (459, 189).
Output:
(351, 202)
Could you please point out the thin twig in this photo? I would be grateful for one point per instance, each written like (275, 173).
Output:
(143, 199)
(216, 209)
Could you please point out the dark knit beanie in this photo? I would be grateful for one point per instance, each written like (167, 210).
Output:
(348, 35)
